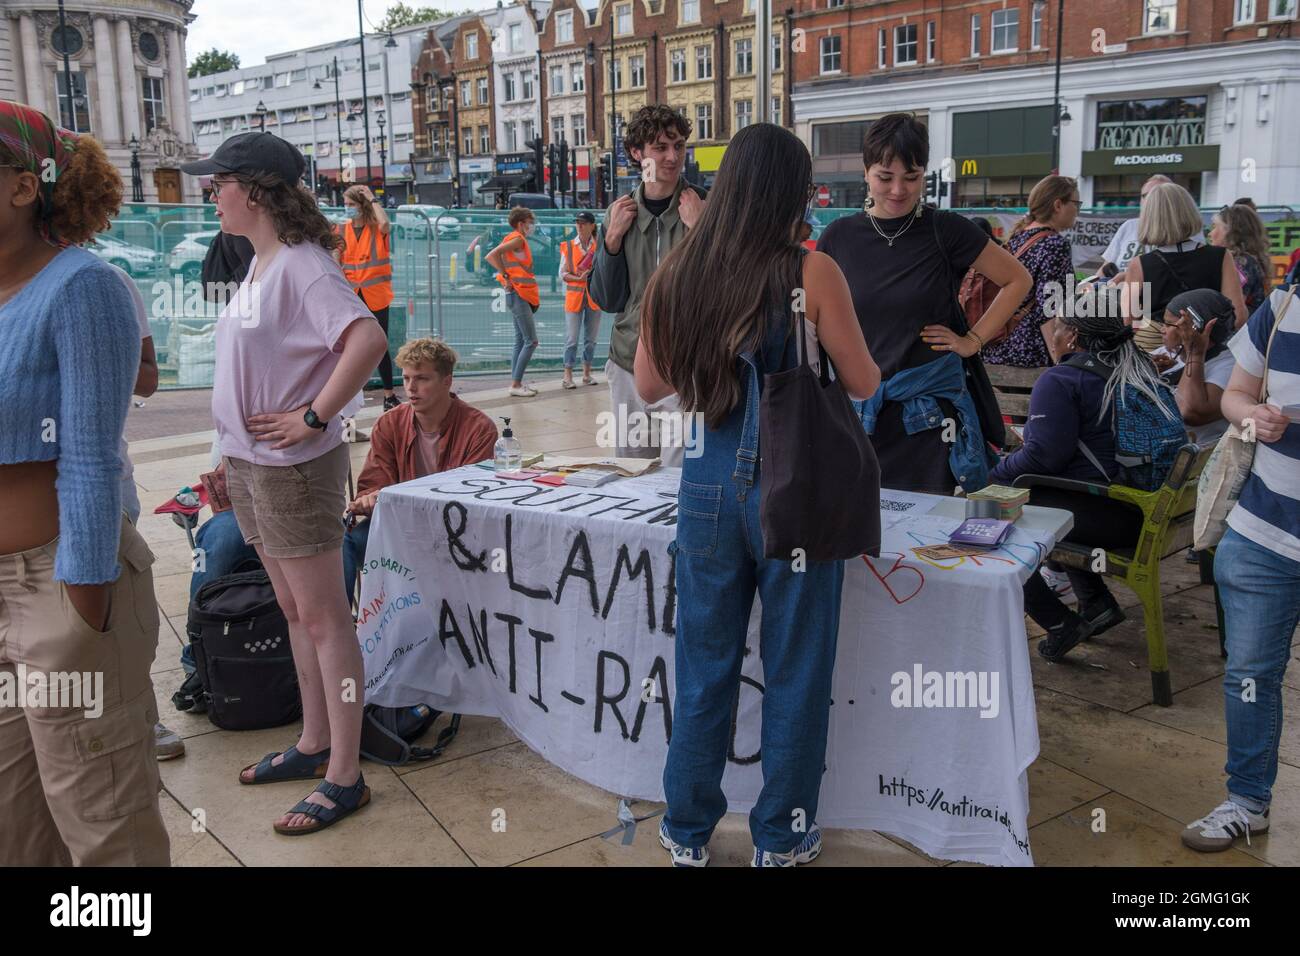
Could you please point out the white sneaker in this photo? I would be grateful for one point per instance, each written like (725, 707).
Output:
(1223, 826)
(805, 852)
(167, 744)
(522, 391)
(682, 855)
(1060, 584)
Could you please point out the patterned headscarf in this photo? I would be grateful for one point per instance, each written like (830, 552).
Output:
(30, 139)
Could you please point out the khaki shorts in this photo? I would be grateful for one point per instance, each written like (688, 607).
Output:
(292, 511)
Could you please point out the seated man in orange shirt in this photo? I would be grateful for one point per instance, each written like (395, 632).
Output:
(431, 431)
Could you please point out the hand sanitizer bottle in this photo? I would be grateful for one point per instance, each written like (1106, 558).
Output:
(508, 455)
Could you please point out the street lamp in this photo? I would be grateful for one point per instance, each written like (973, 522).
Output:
(1059, 115)
(591, 113)
(365, 93)
(137, 182)
(383, 155)
(613, 99)
(67, 70)
(261, 112)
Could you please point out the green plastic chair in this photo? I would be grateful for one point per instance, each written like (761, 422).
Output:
(1168, 514)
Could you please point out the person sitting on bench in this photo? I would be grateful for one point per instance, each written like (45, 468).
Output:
(432, 431)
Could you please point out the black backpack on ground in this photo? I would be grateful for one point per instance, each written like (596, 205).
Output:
(388, 734)
(242, 654)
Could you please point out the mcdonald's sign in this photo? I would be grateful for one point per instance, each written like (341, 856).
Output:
(970, 167)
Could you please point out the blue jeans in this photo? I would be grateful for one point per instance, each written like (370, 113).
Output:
(589, 320)
(720, 565)
(354, 554)
(1260, 593)
(223, 548)
(525, 334)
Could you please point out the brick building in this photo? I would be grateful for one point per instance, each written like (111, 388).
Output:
(567, 41)
(1196, 89)
(471, 63)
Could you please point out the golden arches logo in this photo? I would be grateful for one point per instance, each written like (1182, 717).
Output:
(970, 167)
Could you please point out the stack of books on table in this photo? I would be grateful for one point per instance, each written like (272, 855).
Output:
(1011, 501)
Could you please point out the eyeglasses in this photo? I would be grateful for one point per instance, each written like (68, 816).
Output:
(1077, 202)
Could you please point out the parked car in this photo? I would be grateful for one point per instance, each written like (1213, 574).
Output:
(409, 223)
(127, 256)
(187, 255)
(542, 201)
(545, 249)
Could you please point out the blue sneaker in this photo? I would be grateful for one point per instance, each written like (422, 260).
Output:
(682, 855)
(805, 852)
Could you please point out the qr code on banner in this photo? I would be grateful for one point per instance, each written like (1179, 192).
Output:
(889, 504)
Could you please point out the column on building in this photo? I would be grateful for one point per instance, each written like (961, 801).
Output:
(178, 92)
(109, 127)
(126, 82)
(33, 74)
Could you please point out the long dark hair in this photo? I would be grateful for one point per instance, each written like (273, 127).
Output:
(710, 297)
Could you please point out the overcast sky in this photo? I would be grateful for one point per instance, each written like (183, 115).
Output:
(252, 29)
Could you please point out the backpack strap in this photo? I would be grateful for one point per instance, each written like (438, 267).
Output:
(1089, 363)
(1087, 453)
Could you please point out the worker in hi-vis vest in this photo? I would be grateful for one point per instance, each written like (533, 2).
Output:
(513, 260)
(580, 310)
(368, 266)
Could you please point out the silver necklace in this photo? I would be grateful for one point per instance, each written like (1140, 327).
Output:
(891, 239)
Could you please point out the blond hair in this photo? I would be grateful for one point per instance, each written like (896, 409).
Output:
(372, 213)
(428, 351)
(1169, 216)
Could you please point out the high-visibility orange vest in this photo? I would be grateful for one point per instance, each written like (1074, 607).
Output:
(519, 271)
(367, 264)
(574, 291)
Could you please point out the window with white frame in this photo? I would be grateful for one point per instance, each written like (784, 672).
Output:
(508, 139)
(482, 91)
(1160, 16)
(830, 54)
(1243, 11)
(467, 140)
(1282, 9)
(529, 131)
(776, 52)
(557, 129)
(616, 75)
(1036, 27)
(776, 110)
(510, 87)
(516, 38)
(564, 26)
(704, 62)
(882, 49)
(1006, 31)
(484, 140)
(929, 42)
(466, 98)
(636, 71)
(152, 91)
(557, 80)
(905, 45)
(704, 121)
(526, 82)
(281, 80)
(677, 66)
(974, 34)
(578, 123)
(749, 7)
(623, 19)
(743, 57)
(831, 4)
(690, 11)
(578, 77)
(471, 46)
(744, 113)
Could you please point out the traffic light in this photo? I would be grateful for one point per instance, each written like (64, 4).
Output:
(535, 145)
(552, 159)
(564, 167)
(932, 186)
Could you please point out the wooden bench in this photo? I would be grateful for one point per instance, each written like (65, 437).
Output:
(1012, 386)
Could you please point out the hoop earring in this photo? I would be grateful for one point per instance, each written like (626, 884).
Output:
(869, 203)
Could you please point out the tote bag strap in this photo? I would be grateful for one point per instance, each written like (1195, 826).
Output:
(1268, 351)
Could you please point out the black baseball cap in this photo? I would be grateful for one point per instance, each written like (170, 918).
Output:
(252, 153)
(585, 216)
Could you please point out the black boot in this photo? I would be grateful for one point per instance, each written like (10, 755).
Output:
(1062, 638)
(1102, 614)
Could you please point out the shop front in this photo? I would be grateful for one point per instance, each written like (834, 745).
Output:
(1118, 174)
(473, 174)
(999, 156)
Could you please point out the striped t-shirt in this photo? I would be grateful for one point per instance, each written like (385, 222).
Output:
(1268, 512)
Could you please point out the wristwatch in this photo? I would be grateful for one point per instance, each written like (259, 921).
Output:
(313, 420)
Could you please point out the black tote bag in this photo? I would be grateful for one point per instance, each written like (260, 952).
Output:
(977, 376)
(820, 477)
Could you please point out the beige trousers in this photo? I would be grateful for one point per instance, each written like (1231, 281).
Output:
(78, 777)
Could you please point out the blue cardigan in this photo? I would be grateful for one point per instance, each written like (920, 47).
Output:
(69, 355)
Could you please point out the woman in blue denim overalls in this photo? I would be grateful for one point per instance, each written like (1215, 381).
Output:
(718, 314)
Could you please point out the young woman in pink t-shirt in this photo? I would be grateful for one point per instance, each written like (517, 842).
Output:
(294, 348)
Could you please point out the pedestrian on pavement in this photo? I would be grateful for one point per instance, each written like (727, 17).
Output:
(640, 230)
(710, 335)
(581, 313)
(80, 782)
(513, 260)
(366, 257)
(294, 348)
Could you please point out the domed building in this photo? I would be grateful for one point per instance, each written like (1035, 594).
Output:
(128, 81)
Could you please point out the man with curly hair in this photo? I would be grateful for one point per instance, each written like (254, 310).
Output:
(638, 232)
